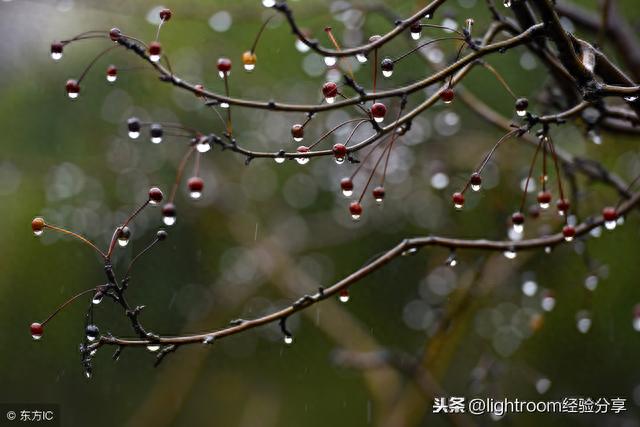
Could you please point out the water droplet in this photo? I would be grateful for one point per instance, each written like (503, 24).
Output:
(596, 232)
(208, 339)
(301, 47)
(347, 193)
(92, 332)
(97, 297)
(298, 139)
(288, 339)
(583, 321)
(507, 3)
(609, 225)
(591, 282)
(339, 160)
(409, 251)
(93, 352)
(87, 373)
(249, 67)
(510, 254)
(279, 159)
(268, 3)
(543, 385)
(154, 58)
(169, 219)
(361, 58)
(416, 35)
(544, 205)
(56, 56)
(330, 61)
(38, 232)
(529, 288)
(457, 206)
(156, 139)
(330, 99)
(387, 73)
(521, 113)
(344, 295)
(630, 98)
(548, 302)
(153, 347)
(203, 145)
(123, 240)
(111, 78)
(476, 187)
(547, 249)
(134, 135)
(518, 228)
(378, 119)
(73, 95)
(355, 217)
(224, 105)
(195, 194)
(595, 137)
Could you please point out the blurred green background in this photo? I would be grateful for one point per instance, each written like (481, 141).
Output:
(265, 234)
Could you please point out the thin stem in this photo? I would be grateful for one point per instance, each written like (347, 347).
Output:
(488, 156)
(77, 236)
(500, 78)
(67, 302)
(86, 70)
(335, 128)
(420, 46)
(179, 172)
(133, 261)
(526, 184)
(556, 167)
(262, 27)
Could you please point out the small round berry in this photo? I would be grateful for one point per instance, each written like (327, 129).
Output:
(447, 95)
(544, 198)
(378, 194)
(115, 34)
(124, 234)
(161, 235)
(249, 60)
(36, 330)
(155, 50)
(224, 65)
(92, 332)
(330, 90)
(133, 125)
(112, 73)
(165, 14)
(339, 151)
(346, 184)
(73, 88)
(297, 132)
(517, 218)
(534, 211)
(169, 214)
(156, 133)
(563, 206)
(475, 181)
(608, 213)
(356, 210)
(56, 50)
(196, 185)
(458, 200)
(378, 111)
(569, 232)
(387, 67)
(521, 106)
(155, 195)
(416, 29)
(38, 225)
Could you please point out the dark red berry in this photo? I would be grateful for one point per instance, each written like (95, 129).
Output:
(356, 209)
(57, 47)
(609, 214)
(195, 184)
(563, 206)
(155, 48)
(378, 110)
(72, 86)
(155, 195)
(568, 231)
(297, 131)
(476, 179)
(346, 184)
(36, 330)
(37, 225)
(330, 90)
(544, 197)
(133, 124)
(458, 200)
(416, 28)
(112, 71)
(387, 65)
(302, 149)
(224, 65)
(517, 218)
(447, 95)
(378, 193)
(340, 151)
(165, 14)
(169, 209)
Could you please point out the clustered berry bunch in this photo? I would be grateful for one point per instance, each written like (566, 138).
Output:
(373, 108)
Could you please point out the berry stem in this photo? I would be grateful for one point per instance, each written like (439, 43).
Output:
(336, 128)
(552, 149)
(135, 258)
(420, 46)
(260, 31)
(443, 27)
(329, 32)
(180, 171)
(95, 59)
(488, 156)
(499, 77)
(77, 236)
(526, 184)
(67, 302)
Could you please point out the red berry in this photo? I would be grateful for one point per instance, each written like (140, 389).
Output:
(378, 194)
(302, 149)
(544, 198)
(563, 206)
(155, 48)
(112, 70)
(458, 200)
(447, 95)
(330, 90)
(57, 47)
(356, 210)
(517, 218)
(609, 214)
(224, 65)
(165, 14)
(169, 210)
(297, 131)
(36, 330)
(155, 195)
(340, 151)
(195, 184)
(115, 34)
(475, 179)
(346, 184)
(378, 110)
(416, 28)
(73, 88)
(37, 225)
(568, 231)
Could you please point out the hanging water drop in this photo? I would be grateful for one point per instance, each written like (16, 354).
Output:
(288, 339)
(153, 347)
(280, 158)
(548, 301)
(361, 57)
(301, 46)
(583, 321)
(631, 98)
(330, 61)
(475, 181)
(356, 210)
(203, 144)
(169, 214)
(387, 66)
(302, 150)
(156, 133)
(92, 332)
(112, 73)
(594, 136)
(510, 254)
(409, 251)
(97, 297)
(208, 339)
(195, 185)
(268, 3)
(344, 295)
(123, 236)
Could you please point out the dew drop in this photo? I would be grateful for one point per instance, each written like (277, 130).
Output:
(544, 205)
(521, 113)
(73, 95)
(330, 99)
(111, 78)
(154, 58)
(347, 193)
(409, 251)
(416, 35)
(609, 225)
(507, 3)
(97, 297)
(361, 58)
(548, 303)
(87, 373)
(224, 105)
(457, 206)
(38, 232)
(355, 217)
(594, 137)
(153, 347)
(134, 134)
(339, 160)
(208, 339)
(387, 73)
(630, 98)
(344, 296)
(518, 228)
(203, 145)
(298, 139)
(92, 332)
(288, 339)
(195, 194)
(301, 47)
(249, 67)
(330, 61)
(547, 249)
(268, 3)
(583, 321)
(591, 282)
(476, 187)
(56, 56)
(169, 220)
(156, 139)
(378, 119)
(510, 254)
(279, 159)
